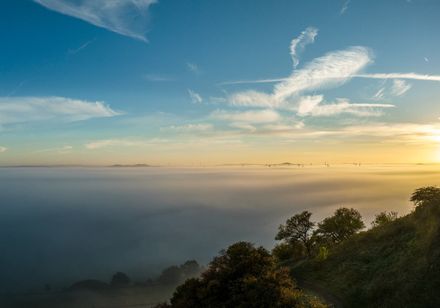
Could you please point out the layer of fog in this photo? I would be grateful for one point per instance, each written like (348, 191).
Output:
(61, 225)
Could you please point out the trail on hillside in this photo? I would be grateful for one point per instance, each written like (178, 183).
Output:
(321, 293)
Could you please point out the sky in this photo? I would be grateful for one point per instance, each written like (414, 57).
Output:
(167, 82)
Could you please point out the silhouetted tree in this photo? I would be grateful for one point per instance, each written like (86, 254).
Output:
(170, 276)
(190, 269)
(120, 280)
(428, 194)
(242, 276)
(174, 275)
(339, 227)
(298, 228)
(383, 218)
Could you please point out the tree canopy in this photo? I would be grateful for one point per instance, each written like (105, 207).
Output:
(242, 276)
(424, 195)
(383, 218)
(344, 223)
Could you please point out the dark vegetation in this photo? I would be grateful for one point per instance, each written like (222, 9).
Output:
(119, 292)
(242, 276)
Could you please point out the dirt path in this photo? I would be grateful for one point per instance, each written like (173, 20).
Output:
(321, 293)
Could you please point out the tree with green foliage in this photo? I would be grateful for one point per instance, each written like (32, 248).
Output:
(424, 195)
(343, 224)
(298, 229)
(384, 218)
(242, 276)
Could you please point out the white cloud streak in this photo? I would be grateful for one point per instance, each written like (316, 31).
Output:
(409, 76)
(384, 76)
(3, 149)
(344, 7)
(400, 87)
(313, 107)
(31, 109)
(330, 70)
(379, 94)
(298, 44)
(125, 17)
(189, 128)
(80, 48)
(195, 97)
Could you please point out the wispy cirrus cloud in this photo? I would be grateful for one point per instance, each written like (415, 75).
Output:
(384, 76)
(80, 48)
(31, 109)
(344, 7)
(125, 17)
(3, 149)
(410, 76)
(193, 67)
(298, 44)
(400, 87)
(195, 97)
(379, 94)
(189, 128)
(313, 107)
(331, 70)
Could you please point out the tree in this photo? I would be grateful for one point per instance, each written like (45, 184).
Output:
(339, 227)
(383, 218)
(424, 195)
(298, 228)
(242, 276)
(175, 275)
(287, 251)
(120, 280)
(170, 276)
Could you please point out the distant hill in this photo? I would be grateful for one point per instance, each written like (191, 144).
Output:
(135, 165)
(394, 265)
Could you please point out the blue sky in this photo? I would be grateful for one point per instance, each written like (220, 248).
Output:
(98, 82)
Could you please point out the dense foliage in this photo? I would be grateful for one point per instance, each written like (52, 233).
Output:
(242, 276)
(383, 218)
(339, 227)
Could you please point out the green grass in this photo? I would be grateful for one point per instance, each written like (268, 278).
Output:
(395, 265)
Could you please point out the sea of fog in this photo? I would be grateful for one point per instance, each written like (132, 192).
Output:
(61, 225)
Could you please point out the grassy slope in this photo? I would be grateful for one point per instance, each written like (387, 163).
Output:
(390, 266)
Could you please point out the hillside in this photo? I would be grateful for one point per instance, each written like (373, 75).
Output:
(394, 265)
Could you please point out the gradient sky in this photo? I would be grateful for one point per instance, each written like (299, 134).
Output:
(208, 82)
